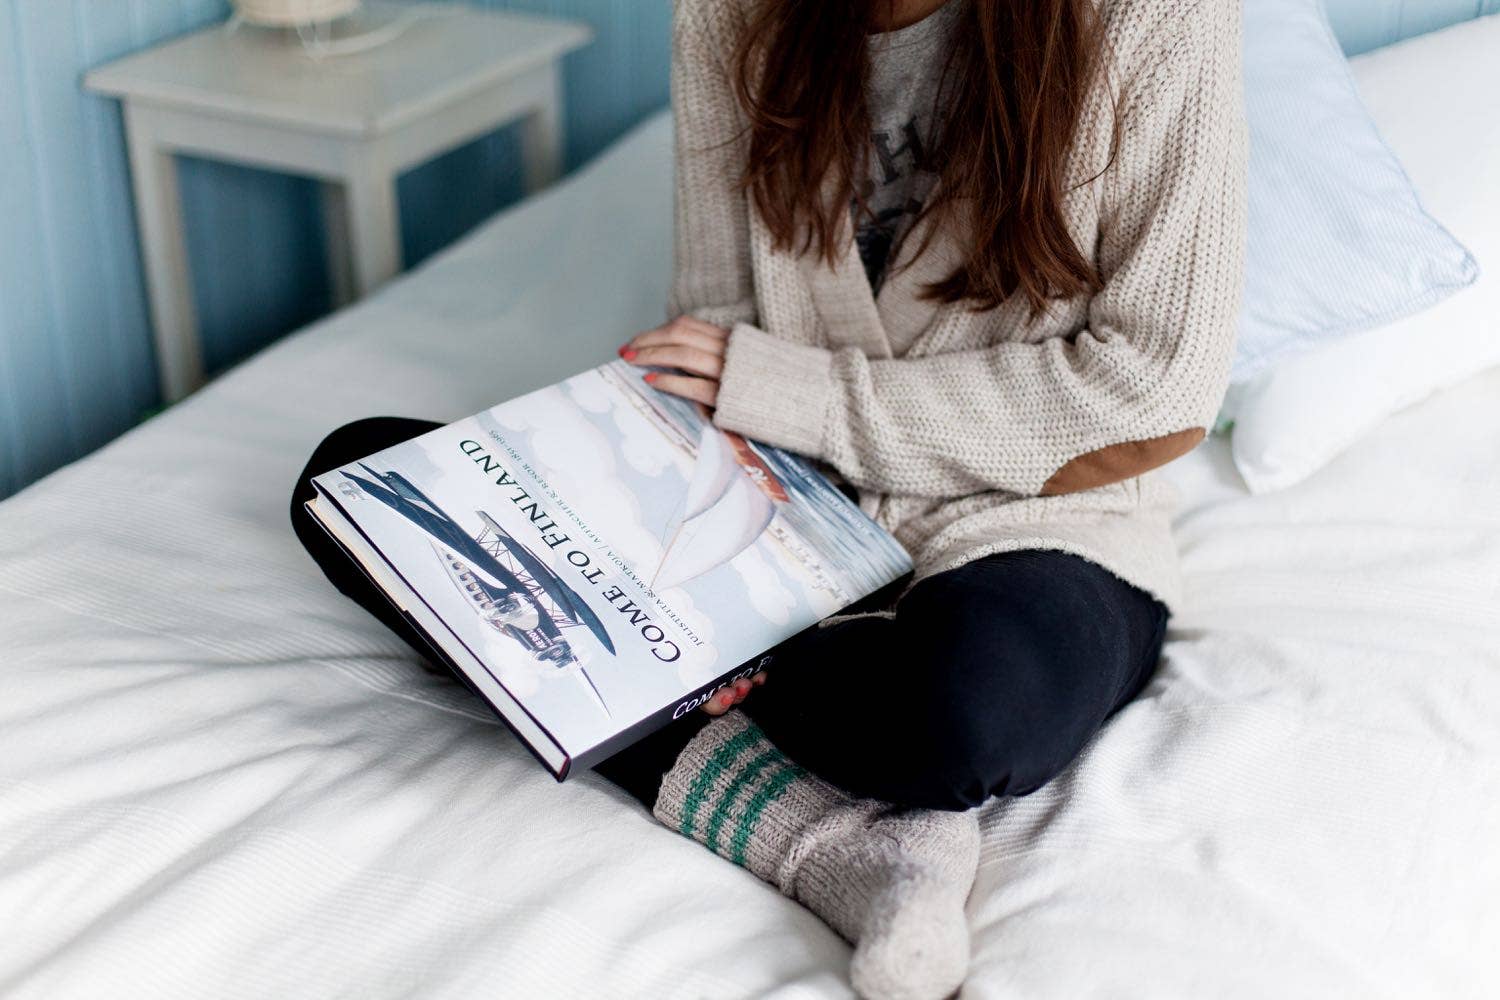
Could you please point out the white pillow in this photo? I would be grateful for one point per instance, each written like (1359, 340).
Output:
(1436, 99)
(1338, 241)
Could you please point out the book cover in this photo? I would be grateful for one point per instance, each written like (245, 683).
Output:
(598, 558)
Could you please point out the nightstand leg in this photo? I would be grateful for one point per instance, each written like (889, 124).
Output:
(158, 205)
(338, 243)
(374, 229)
(542, 134)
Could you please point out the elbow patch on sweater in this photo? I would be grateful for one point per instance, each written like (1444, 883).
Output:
(1121, 461)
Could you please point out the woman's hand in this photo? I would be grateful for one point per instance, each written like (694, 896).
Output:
(733, 694)
(694, 347)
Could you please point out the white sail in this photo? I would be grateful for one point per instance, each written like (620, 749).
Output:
(713, 471)
(724, 513)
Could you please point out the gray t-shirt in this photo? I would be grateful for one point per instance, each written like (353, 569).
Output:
(906, 70)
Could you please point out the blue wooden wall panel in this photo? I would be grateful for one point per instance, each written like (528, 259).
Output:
(76, 364)
(37, 364)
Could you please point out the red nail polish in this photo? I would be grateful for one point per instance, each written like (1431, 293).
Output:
(628, 353)
(726, 699)
(650, 376)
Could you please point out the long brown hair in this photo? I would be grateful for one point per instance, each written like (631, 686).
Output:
(1018, 80)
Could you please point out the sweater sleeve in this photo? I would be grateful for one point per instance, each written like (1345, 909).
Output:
(712, 278)
(1137, 387)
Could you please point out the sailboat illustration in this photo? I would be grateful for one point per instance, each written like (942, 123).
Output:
(730, 500)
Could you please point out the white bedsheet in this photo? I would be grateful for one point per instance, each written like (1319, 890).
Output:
(218, 778)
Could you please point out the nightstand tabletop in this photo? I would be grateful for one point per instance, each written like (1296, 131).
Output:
(444, 54)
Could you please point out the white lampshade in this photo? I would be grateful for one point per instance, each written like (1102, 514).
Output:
(292, 13)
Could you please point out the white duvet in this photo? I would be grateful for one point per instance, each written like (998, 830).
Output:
(218, 778)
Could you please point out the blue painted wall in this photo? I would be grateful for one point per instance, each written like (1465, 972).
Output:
(76, 364)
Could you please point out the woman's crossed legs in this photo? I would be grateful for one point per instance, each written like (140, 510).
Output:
(847, 785)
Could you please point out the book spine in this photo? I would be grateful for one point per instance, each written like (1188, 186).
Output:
(437, 656)
(701, 696)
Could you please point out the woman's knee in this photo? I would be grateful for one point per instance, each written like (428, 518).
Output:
(350, 443)
(359, 439)
(953, 746)
(346, 444)
(965, 755)
(1013, 688)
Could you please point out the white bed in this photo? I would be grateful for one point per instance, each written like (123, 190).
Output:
(218, 778)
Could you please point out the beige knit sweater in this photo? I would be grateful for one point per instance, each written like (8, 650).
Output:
(994, 430)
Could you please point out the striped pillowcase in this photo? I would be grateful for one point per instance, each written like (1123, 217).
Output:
(1338, 240)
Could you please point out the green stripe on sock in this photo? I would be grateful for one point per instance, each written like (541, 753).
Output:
(775, 786)
(746, 777)
(723, 758)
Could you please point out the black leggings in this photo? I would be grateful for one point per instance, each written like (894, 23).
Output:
(988, 679)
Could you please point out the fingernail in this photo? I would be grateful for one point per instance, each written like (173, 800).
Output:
(726, 699)
(628, 353)
(649, 376)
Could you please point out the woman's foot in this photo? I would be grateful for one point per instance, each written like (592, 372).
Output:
(891, 881)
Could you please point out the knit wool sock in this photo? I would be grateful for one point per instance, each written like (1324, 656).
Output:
(891, 881)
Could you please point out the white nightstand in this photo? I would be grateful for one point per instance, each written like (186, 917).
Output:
(256, 97)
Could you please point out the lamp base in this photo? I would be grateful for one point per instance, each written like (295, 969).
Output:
(293, 13)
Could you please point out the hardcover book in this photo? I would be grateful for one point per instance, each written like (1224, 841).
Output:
(596, 558)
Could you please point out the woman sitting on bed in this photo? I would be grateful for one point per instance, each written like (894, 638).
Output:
(981, 258)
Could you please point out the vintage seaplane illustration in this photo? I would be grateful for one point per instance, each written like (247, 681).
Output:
(502, 581)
